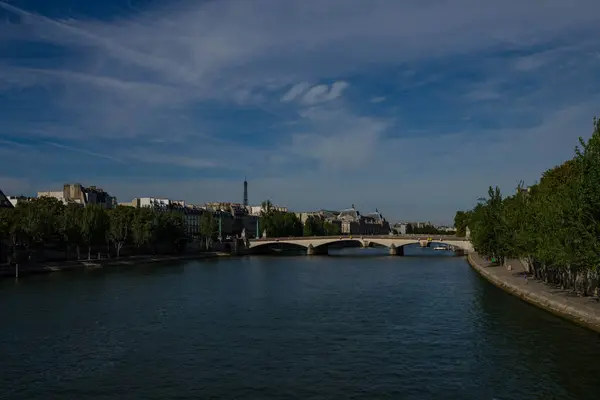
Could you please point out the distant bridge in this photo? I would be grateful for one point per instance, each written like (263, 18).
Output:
(395, 244)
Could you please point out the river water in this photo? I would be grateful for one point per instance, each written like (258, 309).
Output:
(354, 325)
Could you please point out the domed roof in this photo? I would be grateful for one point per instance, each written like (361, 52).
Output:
(349, 214)
(376, 216)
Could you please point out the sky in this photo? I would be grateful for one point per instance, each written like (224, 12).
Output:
(413, 107)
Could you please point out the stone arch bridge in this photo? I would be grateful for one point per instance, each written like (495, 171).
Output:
(320, 244)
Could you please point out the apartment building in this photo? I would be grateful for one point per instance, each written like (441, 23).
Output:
(75, 193)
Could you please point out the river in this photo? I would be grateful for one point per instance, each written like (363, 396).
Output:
(355, 325)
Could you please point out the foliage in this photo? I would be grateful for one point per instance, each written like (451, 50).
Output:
(277, 223)
(209, 228)
(317, 226)
(553, 225)
(45, 222)
(425, 230)
(461, 221)
(120, 224)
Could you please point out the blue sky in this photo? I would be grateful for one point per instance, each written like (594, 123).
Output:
(413, 107)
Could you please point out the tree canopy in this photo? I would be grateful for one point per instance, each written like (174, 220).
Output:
(553, 224)
(39, 223)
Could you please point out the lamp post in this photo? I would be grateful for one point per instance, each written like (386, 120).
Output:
(257, 228)
(220, 228)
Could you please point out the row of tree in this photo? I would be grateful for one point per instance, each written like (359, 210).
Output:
(46, 223)
(553, 225)
(425, 230)
(278, 224)
(283, 224)
(315, 226)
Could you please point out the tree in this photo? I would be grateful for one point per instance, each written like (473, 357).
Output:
(266, 207)
(120, 222)
(331, 229)
(209, 228)
(461, 221)
(169, 231)
(313, 226)
(142, 225)
(94, 226)
(8, 230)
(280, 224)
(554, 225)
(69, 227)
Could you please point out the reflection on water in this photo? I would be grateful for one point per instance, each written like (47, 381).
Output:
(354, 326)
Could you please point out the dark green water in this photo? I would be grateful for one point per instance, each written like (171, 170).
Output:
(339, 327)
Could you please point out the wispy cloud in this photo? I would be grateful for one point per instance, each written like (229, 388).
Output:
(171, 159)
(82, 151)
(323, 93)
(295, 91)
(240, 87)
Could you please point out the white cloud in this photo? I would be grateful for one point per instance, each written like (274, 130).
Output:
(156, 77)
(295, 91)
(323, 93)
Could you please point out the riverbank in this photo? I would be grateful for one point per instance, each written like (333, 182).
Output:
(584, 311)
(42, 268)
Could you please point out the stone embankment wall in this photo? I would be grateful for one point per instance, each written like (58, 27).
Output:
(584, 311)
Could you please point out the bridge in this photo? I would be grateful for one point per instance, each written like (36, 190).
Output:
(320, 244)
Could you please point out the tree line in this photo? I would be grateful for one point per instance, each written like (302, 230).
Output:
(553, 225)
(425, 230)
(45, 223)
(283, 224)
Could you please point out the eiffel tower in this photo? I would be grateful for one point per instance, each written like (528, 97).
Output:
(4, 202)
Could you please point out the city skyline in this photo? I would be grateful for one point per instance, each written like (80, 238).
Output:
(413, 108)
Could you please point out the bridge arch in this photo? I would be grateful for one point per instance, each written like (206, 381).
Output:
(340, 242)
(320, 244)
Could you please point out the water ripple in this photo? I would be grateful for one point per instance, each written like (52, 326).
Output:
(293, 328)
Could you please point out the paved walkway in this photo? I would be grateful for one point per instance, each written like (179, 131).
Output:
(581, 310)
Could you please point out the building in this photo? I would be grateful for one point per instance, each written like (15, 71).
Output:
(75, 193)
(14, 200)
(374, 224)
(256, 210)
(192, 214)
(4, 201)
(352, 222)
(400, 228)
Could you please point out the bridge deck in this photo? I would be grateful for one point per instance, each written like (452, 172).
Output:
(364, 237)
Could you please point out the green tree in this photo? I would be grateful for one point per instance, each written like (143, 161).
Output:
(120, 226)
(209, 228)
(169, 231)
(142, 225)
(461, 221)
(311, 226)
(280, 224)
(8, 231)
(331, 229)
(39, 220)
(94, 226)
(69, 227)
(554, 224)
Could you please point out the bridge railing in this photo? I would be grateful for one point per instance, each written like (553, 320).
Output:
(434, 238)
